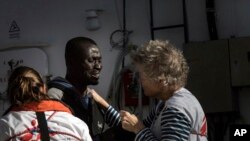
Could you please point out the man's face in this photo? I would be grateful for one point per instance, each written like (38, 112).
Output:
(90, 65)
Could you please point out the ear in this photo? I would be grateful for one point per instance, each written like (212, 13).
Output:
(163, 82)
(43, 89)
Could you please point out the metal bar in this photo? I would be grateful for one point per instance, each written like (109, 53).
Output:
(151, 20)
(167, 27)
(186, 36)
(124, 30)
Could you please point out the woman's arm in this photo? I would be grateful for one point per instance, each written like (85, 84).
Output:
(174, 126)
(98, 99)
(112, 117)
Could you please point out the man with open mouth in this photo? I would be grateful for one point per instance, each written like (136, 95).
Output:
(83, 63)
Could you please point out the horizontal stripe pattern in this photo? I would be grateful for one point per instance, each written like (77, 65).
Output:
(153, 113)
(112, 117)
(175, 126)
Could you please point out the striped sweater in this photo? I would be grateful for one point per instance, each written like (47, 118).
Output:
(180, 118)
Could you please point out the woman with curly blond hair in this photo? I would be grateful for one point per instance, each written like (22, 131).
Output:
(163, 74)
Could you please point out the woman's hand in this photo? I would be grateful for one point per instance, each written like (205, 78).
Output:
(94, 95)
(98, 99)
(130, 122)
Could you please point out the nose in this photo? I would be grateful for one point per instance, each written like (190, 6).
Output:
(98, 66)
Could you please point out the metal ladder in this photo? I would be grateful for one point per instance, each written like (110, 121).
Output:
(183, 25)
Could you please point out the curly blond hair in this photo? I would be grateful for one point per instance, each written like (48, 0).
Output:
(161, 60)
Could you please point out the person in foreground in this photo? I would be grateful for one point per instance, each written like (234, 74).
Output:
(27, 94)
(163, 74)
(178, 115)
